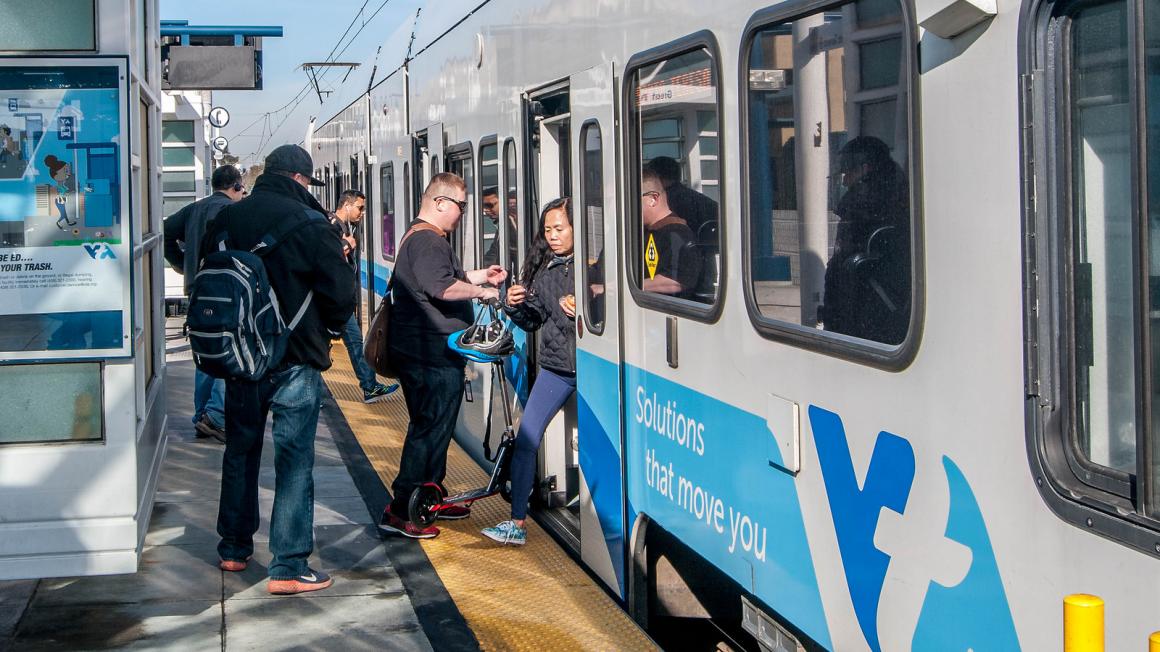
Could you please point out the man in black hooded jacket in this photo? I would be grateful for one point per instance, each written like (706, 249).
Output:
(308, 258)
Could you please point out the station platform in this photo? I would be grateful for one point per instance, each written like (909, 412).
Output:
(456, 592)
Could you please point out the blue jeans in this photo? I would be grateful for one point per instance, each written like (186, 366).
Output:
(209, 398)
(293, 395)
(548, 395)
(353, 339)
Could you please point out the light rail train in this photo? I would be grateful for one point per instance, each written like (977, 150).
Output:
(906, 401)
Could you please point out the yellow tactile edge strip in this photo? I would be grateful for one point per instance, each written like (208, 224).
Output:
(514, 598)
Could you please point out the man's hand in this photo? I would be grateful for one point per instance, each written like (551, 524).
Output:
(349, 242)
(489, 294)
(496, 275)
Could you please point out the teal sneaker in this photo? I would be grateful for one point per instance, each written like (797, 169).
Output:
(507, 533)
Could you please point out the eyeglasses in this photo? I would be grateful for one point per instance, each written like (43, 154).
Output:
(652, 193)
(461, 204)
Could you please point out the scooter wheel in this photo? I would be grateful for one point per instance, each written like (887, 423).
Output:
(422, 505)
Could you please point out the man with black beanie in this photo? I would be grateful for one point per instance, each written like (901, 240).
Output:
(306, 268)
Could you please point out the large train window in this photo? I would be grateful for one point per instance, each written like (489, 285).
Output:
(591, 214)
(487, 226)
(829, 221)
(1093, 305)
(673, 231)
(511, 203)
(387, 183)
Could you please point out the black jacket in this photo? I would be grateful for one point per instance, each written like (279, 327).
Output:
(541, 310)
(183, 232)
(308, 258)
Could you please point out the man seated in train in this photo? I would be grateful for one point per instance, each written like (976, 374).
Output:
(867, 284)
(672, 261)
(697, 208)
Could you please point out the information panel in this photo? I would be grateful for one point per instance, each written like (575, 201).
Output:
(65, 246)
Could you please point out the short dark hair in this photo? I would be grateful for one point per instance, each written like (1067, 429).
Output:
(349, 196)
(666, 168)
(225, 177)
(488, 191)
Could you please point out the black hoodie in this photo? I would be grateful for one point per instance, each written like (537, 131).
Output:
(308, 258)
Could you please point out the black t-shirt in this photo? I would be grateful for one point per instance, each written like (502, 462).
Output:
(677, 257)
(420, 321)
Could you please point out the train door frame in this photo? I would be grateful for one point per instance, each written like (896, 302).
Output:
(548, 174)
(599, 346)
(457, 159)
(368, 228)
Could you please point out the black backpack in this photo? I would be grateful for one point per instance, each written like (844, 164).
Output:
(235, 323)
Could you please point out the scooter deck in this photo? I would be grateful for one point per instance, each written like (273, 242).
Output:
(474, 494)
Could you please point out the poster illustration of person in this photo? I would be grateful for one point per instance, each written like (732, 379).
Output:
(61, 174)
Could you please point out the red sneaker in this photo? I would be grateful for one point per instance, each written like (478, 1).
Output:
(311, 580)
(396, 525)
(453, 513)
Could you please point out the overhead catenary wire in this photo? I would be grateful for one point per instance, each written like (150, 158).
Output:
(291, 106)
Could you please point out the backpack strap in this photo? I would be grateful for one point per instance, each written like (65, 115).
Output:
(419, 225)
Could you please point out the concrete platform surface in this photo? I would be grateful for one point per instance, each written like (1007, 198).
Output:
(180, 600)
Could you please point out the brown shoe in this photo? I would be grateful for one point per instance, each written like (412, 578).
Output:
(311, 580)
(233, 565)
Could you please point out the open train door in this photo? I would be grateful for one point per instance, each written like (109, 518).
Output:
(598, 329)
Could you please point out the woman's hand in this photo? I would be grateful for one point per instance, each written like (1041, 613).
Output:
(516, 295)
(568, 304)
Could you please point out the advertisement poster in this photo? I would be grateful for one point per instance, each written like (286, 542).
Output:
(65, 246)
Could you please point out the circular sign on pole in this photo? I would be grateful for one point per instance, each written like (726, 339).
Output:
(220, 143)
(219, 117)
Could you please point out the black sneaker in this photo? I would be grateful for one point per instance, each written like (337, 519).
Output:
(379, 392)
(206, 428)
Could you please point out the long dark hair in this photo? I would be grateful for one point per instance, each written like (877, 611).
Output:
(541, 253)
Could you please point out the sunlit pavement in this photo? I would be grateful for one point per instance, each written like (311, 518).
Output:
(180, 600)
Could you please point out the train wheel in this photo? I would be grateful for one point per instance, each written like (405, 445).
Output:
(422, 505)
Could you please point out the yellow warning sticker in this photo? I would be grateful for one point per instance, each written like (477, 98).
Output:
(650, 256)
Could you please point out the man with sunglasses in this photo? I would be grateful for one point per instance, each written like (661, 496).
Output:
(432, 297)
(183, 233)
(669, 240)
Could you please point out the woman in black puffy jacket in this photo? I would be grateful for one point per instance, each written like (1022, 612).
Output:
(543, 300)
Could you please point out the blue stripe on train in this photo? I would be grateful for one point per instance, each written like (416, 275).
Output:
(701, 469)
(598, 415)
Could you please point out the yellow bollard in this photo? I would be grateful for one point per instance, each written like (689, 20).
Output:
(1154, 642)
(1083, 623)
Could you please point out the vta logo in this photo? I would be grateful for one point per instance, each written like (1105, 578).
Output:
(100, 251)
(961, 603)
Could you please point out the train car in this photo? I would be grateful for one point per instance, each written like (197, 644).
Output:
(904, 398)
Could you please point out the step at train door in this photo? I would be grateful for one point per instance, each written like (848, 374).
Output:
(598, 345)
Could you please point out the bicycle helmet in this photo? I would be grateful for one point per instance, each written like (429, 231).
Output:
(483, 342)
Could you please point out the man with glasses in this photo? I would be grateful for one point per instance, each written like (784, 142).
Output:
(668, 242)
(432, 298)
(352, 205)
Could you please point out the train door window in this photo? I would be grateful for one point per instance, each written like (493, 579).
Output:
(829, 219)
(387, 182)
(1095, 295)
(673, 232)
(459, 161)
(491, 206)
(592, 214)
(511, 203)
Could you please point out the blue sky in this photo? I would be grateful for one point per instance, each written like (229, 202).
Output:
(311, 29)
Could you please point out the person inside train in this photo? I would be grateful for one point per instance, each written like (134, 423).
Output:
(672, 260)
(697, 209)
(542, 300)
(867, 283)
(491, 210)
